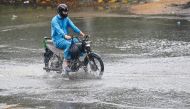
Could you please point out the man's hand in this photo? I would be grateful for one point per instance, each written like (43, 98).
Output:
(68, 37)
(82, 34)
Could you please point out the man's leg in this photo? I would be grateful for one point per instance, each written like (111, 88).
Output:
(65, 45)
(67, 57)
(75, 40)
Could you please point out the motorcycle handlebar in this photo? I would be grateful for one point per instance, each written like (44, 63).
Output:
(84, 38)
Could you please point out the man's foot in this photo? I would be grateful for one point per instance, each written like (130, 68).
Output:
(66, 71)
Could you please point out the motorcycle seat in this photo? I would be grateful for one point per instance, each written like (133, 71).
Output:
(52, 47)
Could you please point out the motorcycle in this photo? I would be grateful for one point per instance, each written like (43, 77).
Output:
(91, 63)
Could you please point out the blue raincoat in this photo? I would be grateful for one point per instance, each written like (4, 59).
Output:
(59, 28)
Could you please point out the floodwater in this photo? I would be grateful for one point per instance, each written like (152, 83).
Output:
(146, 65)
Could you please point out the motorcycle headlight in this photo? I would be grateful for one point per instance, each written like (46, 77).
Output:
(88, 43)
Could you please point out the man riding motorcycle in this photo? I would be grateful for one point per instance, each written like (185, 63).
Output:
(60, 25)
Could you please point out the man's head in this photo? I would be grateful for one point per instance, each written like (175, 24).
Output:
(62, 10)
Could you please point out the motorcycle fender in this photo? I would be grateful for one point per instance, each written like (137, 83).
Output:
(88, 56)
(94, 54)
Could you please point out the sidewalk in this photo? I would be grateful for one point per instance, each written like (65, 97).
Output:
(173, 7)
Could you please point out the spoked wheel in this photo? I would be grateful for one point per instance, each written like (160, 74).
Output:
(95, 66)
(54, 64)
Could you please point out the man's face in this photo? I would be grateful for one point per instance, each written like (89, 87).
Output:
(64, 13)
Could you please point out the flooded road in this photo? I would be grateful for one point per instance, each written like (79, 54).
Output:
(146, 66)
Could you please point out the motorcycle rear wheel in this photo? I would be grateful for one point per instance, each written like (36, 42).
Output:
(51, 64)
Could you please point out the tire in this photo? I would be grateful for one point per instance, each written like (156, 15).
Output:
(94, 65)
(52, 62)
(47, 56)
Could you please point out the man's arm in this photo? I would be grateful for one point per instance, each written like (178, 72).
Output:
(58, 29)
(75, 29)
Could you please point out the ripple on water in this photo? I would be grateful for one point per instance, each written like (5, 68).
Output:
(147, 48)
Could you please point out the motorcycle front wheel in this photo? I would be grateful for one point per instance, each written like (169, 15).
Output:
(94, 65)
